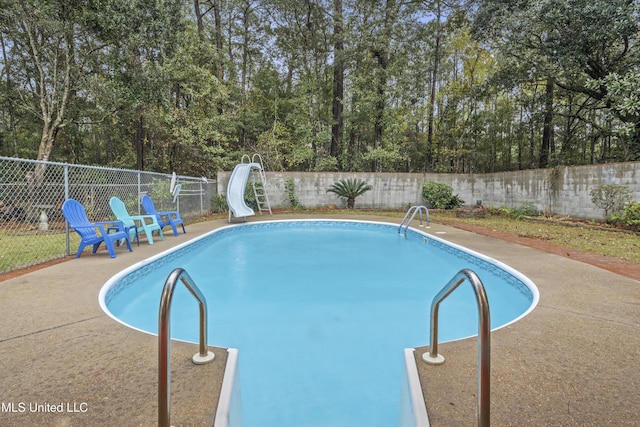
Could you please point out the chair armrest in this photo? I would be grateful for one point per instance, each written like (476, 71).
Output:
(143, 218)
(91, 226)
(170, 214)
(118, 225)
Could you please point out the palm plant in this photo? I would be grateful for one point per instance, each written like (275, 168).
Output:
(349, 189)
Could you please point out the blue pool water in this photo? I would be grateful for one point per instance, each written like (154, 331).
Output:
(320, 311)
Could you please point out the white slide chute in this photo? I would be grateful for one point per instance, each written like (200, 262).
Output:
(236, 189)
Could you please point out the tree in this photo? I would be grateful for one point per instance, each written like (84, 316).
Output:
(578, 45)
(321, 84)
(611, 198)
(434, 83)
(136, 41)
(337, 106)
(348, 189)
(44, 45)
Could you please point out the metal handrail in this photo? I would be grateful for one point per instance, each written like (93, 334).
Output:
(484, 339)
(415, 210)
(164, 340)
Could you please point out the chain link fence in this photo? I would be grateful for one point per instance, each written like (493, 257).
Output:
(32, 228)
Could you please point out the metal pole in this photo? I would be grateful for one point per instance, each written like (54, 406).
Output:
(484, 353)
(484, 339)
(66, 224)
(164, 340)
(139, 190)
(164, 352)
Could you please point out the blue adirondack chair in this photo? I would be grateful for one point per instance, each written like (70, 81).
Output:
(76, 216)
(146, 224)
(164, 218)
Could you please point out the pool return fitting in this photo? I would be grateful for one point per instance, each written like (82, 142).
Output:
(484, 338)
(164, 340)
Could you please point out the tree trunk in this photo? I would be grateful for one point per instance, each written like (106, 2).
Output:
(547, 132)
(382, 55)
(338, 83)
(432, 92)
(9, 96)
(139, 141)
(218, 25)
(634, 145)
(198, 13)
(53, 109)
(351, 141)
(351, 201)
(53, 104)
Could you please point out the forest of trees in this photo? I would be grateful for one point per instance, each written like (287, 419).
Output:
(321, 85)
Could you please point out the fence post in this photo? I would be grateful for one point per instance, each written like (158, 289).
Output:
(201, 200)
(66, 196)
(139, 189)
(92, 186)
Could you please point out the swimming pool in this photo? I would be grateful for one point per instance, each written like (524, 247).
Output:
(319, 310)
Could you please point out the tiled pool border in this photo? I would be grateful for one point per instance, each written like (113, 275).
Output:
(507, 274)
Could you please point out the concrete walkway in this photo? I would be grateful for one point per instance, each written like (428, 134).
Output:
(60, 352)
(572, 362)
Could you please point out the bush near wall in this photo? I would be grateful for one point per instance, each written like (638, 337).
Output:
(438, 195)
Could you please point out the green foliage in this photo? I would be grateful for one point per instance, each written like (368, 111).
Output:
(326, 164)
(584, 47)
(623, 91)
(219, 204)
(525, 209)
(283, 149)
(290, 193)
(611, 198)
(160, 192)
(630, 215)
(153, 87)
(439, 195)
(385, 159)
(250, 195)
(348, 189)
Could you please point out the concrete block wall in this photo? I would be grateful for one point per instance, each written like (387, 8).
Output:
(560, 191)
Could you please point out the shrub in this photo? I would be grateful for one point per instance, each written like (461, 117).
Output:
(631, 215)
(438, 195)
(250, 195)
(525, 209)
(611, 198)
(290, 193)
(219, 204)
(348, 189)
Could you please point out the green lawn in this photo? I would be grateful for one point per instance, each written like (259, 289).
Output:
(625, 246)
(19, 251)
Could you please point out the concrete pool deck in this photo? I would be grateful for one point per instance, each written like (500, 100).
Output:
(574, 361)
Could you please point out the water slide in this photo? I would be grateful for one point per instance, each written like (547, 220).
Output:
(236, 187)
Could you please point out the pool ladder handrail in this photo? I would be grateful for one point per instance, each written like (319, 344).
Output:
(484, 339)
(164, 340)
(415, 209)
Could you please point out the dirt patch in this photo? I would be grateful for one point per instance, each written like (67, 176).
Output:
(26, 270)
(618, 228)
(623, 268)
